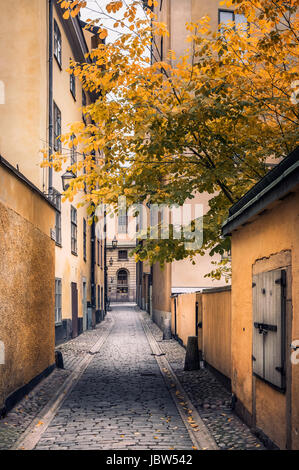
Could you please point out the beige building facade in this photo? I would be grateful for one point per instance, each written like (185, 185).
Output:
(41, 101)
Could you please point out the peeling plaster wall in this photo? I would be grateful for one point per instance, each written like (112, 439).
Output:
(26, 284)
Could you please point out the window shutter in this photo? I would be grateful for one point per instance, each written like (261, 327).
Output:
(269, 326)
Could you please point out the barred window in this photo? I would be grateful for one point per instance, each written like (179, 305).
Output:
(57, 44)
(58, 300)
(123, 255)
(74, 230)
(57, 128)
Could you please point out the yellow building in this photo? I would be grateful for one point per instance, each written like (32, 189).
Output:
(41, 100)
(27, 277)
(182, 276)
(264, 228)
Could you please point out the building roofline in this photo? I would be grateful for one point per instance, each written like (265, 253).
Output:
(73, 30)
(273, 186)
(4, 163)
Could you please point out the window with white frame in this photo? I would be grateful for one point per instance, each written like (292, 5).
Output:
(122, 221)
(57, 44)
(226, 16)
(57, 128)
(74, 230)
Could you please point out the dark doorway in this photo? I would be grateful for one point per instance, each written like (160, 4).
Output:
(74, 310)
(122, 286)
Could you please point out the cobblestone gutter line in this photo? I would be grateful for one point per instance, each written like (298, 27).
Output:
(209, 397)
(197, 430)
(39, 425)
(17, 421)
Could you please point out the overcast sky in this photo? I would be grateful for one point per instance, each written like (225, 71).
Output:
(94, 10)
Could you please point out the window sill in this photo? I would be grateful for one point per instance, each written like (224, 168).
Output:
(74, 253)
(58, 323)
(58, 244)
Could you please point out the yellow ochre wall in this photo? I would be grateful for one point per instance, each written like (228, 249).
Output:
(216, 312)
(24, 72)
(214, 338)
(161, 293)
(274, 232)
(26, 283)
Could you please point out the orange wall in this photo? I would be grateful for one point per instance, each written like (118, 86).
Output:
(214, 338)
(276, 230)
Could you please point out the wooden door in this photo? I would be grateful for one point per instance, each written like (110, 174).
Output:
(74, 291)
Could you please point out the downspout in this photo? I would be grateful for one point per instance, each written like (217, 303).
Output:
(50, 182)
(93, 262)
(105, 263)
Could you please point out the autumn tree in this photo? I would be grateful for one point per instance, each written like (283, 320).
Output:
(163, 130)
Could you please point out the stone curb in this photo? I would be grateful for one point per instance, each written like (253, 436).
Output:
(199, 433)
(38, 426)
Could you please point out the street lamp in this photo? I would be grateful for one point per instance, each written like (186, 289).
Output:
(66, 178)
(114, 242)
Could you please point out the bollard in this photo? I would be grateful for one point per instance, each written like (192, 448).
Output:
(167, 329)
(59, 360)
(192, 356)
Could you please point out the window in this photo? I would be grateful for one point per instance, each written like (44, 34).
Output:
(269, 313)
(122, 221)
(55, 197)
(83, 98)
(58, 301)
(74, 230)
(123, 255)
(99, 298)
(98, 252)
(84, 239)
(73, 85)
(73, 151)
(57, 128)
(226, 16)
(122, 278)
(101, 264)
(57, 44)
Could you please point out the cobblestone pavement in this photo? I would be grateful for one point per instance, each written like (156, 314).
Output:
(121, 400)
(21, 416)
(209, 396)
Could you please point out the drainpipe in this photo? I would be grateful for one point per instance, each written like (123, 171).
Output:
(93, 261)
(50, 182)
(105, 263)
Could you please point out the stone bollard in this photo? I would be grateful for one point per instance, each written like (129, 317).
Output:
(59, 360)
(192, 356)
(167, 329)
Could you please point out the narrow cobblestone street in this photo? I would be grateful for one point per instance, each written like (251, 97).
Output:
(122, 401)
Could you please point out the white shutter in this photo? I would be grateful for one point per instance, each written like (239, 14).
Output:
(268, 326)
